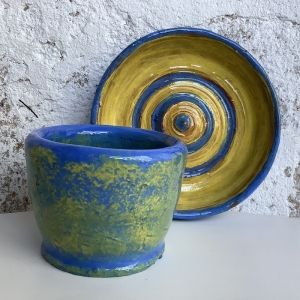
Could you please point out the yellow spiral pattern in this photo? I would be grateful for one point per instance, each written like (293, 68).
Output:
(220, 64)
(219, 134)
(197, 118)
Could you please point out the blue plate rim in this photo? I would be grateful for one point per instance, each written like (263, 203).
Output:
(261, 175)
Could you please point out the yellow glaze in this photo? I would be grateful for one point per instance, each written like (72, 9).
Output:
(216, 62)
(198, 122)
(211, 148)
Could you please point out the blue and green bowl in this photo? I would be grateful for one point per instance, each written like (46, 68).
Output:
(103, 196)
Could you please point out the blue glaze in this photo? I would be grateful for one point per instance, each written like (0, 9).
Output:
(101, 262)
(201, 213)
(91, 185)
(182, 122)
(161, 109)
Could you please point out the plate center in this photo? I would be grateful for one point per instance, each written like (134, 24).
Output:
(182, 122)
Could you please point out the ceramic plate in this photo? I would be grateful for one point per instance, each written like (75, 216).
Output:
(213, 95)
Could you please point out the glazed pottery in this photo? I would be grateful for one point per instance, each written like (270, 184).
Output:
(207, 91)
(103, 196)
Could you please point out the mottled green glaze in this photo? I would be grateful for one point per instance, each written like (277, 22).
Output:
(133, 224)
(98, 207)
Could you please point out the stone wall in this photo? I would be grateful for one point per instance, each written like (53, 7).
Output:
(53, 53)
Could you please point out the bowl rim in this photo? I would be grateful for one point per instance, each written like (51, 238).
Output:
(175, 146)
(261, 175)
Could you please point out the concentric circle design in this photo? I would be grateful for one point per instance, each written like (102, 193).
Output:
(209, 92)
(208, 102)
(187, 120)
(201, 123)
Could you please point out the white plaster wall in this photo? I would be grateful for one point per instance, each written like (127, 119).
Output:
(53, 53)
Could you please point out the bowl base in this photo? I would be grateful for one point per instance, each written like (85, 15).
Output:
(95, 268)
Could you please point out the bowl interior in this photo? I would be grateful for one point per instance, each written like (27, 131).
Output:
(108, 137)
(162, 70)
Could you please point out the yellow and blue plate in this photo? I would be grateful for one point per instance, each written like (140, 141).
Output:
(209, 92)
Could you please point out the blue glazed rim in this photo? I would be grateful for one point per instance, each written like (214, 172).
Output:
(232, 202)
(170, 146)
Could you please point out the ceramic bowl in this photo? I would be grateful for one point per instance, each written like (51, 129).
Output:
(207, 91)
(103, 196)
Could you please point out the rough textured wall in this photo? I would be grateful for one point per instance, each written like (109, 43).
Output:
(53, 53)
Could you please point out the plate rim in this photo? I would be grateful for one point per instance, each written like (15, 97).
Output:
(261, 175)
